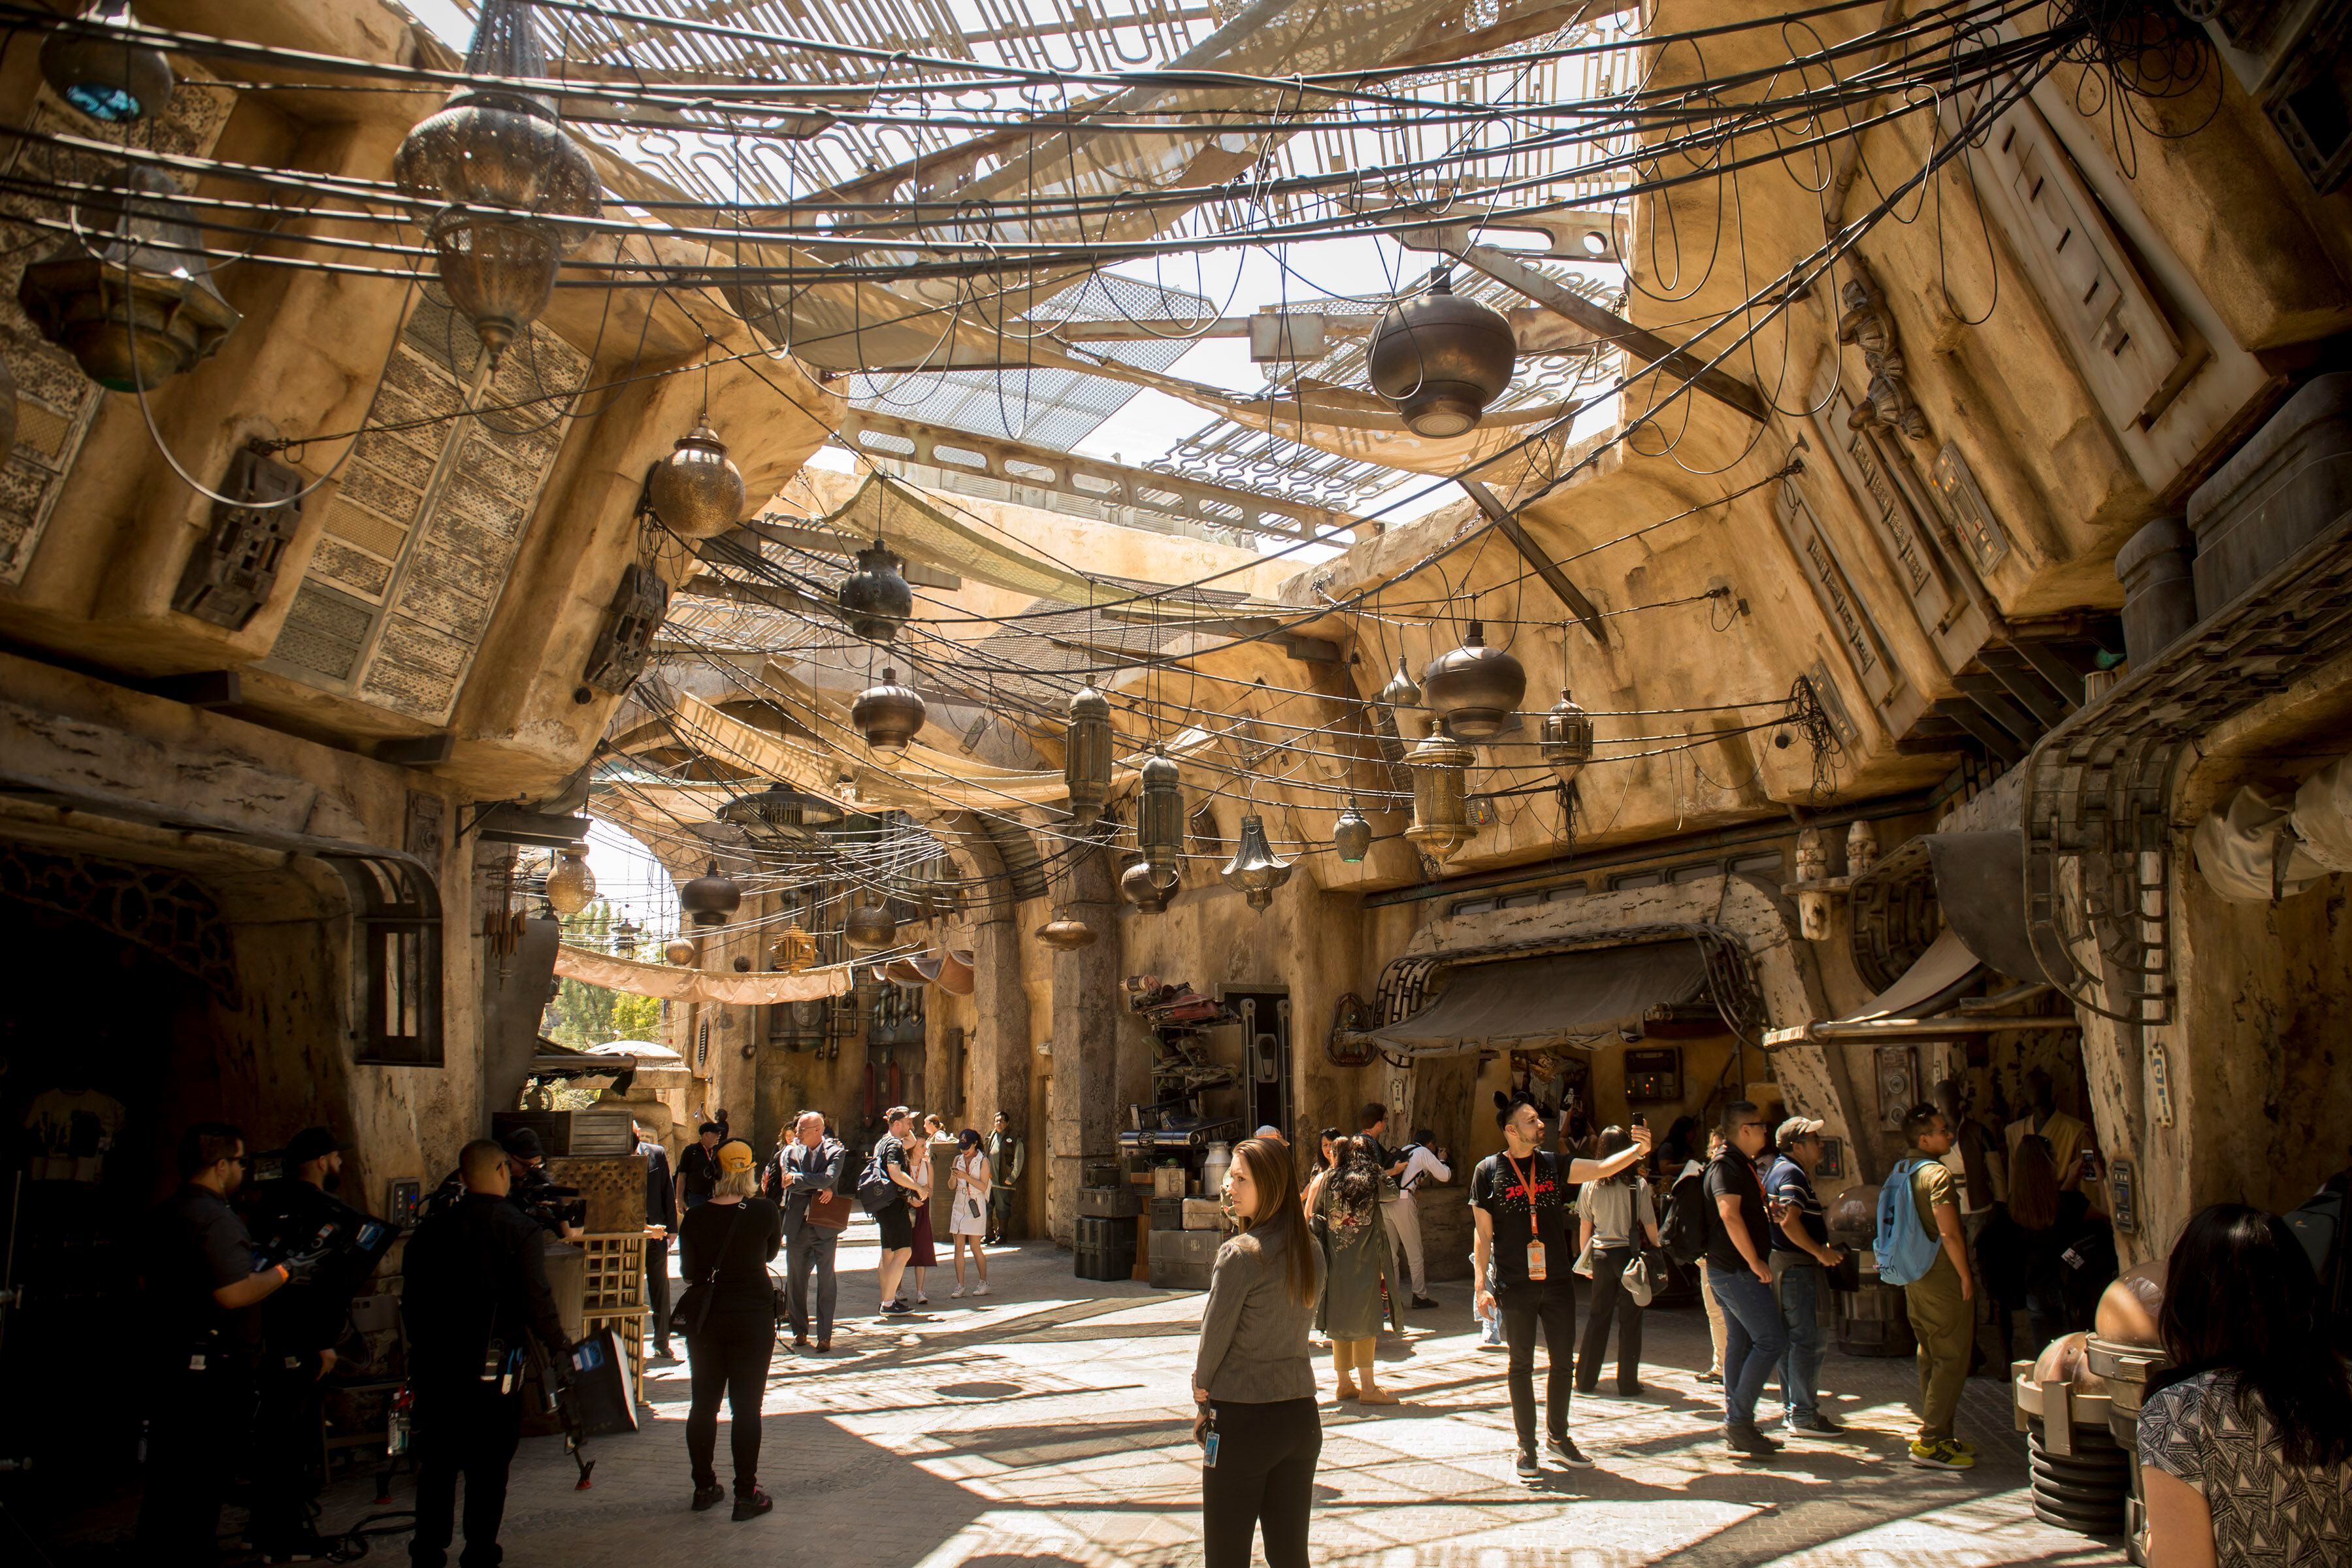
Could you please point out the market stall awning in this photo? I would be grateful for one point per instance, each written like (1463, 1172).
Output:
(1919, 1005)
(1557, 999)
(640, 979)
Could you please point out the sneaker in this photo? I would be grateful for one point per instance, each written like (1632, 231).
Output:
(1942, 1454)
(1819, 1424)
(922, 1299)
(1564, 1450)
(751, 1504)
(708, 1497)
(1526, 1466)
(1492, 1340)
(1745, 1438)
(1963, 1445)
(895, 1309)
(981, 1290)
(956, 1294)
(1423, 1303)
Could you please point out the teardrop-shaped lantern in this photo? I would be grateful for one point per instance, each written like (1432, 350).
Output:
(869, 927)
(1440, 808)
(1063, 935)
(1351, 836)
(1399, 695)
(1567, 738)
(1254, 870)
(1085, 761)
(113, 77)
(696, 491)
(498, 272)
(1439, 359)
(875, 599)
(1159, 817)
(888, 715)
(570, 884)
(1473, 690)
(496, 145)
(130, 296)
(679, 951)
(793, 951)
(1139, 886)
(710, 897)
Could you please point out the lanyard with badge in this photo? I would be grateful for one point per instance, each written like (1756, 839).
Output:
(1537, 1272)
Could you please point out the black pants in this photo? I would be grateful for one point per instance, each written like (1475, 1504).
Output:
(195, 1434)
(658, 1288)
(286, 1449)
(1552, 1306)
(729, 1358)
(462, 1425)
(1264, 1474)
(1610, 1300)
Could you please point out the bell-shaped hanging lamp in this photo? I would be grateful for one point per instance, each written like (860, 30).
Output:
(1441, 807)
(710, 897)
(1567, 743)
(869, 926)
(696, 491)
(1160, 818)
(569, 883)
(1254, 870)
(1473, 690)
(1351, 836)
(1064, 934)
(1439, 359)
(888, 715)
(1400, 695)
(679, 951)
(110, 75)
(131, 296)
(1085, 761)
(1142, 887)
(875, 599)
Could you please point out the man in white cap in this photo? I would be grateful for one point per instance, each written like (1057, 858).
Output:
(1801, 1257)
(1271, 1131)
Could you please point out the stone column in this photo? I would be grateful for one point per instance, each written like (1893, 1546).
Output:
(1082, 1103)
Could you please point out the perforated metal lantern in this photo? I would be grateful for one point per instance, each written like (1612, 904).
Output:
(869, 927)
(778, 817)
(569, 883)
(498, 146)
(710, 897)
(696, 491)
(1441, 359)
(499, 273)
(679, 951)
(1351, 836)
(1064, 934)
(1159, 817)
(1254, 869)
(1086, 761)
(1441, 810)
(875, 599)
(1473, 690)
(113, 77)
(131, 297)
(888, 715)
(1140, 885)
(1567, 742)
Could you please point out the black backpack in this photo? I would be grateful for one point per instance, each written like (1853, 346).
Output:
(1690, 1219)
(2318, 1225)
(876, 1190)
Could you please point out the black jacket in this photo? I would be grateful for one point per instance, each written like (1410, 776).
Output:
(697, 1173)
(661, 1192)
(475, 1272)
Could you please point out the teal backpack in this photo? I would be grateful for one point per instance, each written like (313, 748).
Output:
(1906, 1249)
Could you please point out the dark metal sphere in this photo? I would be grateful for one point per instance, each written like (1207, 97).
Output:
(1441, 359)
(868, 928)
(710, 897)
(1473, 690)
(875, 598)
(888, 715)
(112, 80)
(695, 491)
(679, 951)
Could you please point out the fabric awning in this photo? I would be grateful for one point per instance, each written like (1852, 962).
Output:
(1560, 998)
(641, 979)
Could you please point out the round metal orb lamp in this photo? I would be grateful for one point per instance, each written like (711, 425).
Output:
(710, 897)
(1159, 817)
(1063, 935)
(1140, 885)
(868, 928)
(1473, 690)
(696, 491)
(875, 598)
(1254, 870)
(569, 883)
(778, 815)
(130, 298)
(1351, 836)
(112, 77)
(740, 964)
(1567, 738)
(498, 146)
(1441, 807)
(889, 715)
(1439, 359)
(1086, 760)
(678, 952)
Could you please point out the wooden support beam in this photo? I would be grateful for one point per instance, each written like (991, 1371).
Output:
(1512, 529)
(204, 689)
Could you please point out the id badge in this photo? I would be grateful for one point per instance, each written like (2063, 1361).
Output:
(1536, 1271)
(1209, 1451)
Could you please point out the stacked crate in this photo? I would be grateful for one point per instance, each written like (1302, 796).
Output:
(612, 1296)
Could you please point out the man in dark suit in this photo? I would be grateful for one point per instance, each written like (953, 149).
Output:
(661, 1215)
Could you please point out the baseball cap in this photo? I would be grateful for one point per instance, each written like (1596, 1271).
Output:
(1268, 1130)
(311, 1143)
(523, 1143)
(734, 1156)
(1798, 1127)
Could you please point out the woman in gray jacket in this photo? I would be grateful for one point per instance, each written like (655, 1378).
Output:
(1254, 1379)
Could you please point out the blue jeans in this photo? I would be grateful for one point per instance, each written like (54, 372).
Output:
(1801, 1285)
(1753, 1340)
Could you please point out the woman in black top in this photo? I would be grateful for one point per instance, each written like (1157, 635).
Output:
(731, 1323)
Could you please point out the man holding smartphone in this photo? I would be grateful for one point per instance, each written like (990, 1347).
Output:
(1740, 1277)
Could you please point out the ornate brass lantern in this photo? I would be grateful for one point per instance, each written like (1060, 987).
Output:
(1567, 738)
(571, 884)
(888, 715)
(695, 491)
(1063, 935)
(710, 897)
(624, 936)
(498, 272)
(777, 816)
(1473, 690)
(1160, 820)
(679, 951)
(869, 927)
(793, 951)
(132, 299)
(1441, 359)
(1139, 886)
(1440, 814)
(1351, 836)
(110, 77)
(1254, 870)
(875, 598)
(1085, 761)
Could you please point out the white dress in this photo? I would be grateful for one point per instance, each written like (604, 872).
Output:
(970, 1213)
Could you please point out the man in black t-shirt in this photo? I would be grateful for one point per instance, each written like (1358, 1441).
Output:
(1519, 1201)
(897, 1221)
(1739, 1273)
(698, 1166)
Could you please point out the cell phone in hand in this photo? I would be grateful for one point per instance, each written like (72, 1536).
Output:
(1639, 1120)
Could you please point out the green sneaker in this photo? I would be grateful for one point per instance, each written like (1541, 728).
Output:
(1942, 1454)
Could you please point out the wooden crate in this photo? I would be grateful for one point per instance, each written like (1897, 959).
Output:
(629, 1322)
(612, 1272)
(614, 1184)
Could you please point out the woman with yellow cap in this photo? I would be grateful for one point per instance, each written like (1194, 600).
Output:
(730, 1315)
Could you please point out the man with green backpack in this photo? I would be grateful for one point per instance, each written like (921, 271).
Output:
(1920, 1247)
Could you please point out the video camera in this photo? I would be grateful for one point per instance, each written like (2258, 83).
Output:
(343, 1250)
(553, 1207)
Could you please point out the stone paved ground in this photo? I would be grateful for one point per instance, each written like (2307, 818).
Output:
(1048, 1427)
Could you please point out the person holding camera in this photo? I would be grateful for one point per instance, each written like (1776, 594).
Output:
(298, 1331)
(474, 1298)
(729, 1312)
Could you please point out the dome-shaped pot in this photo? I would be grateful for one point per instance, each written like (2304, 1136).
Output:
(1473, 690)
(710, 897)
(1351, 836)
(869, 927)
(1441, 359)
(112, 79)
(888, 715)
(679, 951)
(875, 599)
(1063, 935)
(1140, 885)
(696, 491)
(569, 883)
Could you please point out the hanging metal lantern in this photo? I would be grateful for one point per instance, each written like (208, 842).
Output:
(793, 951)
(624, 936)
(1254, 870)
(113, 77)
(1441, 359)
(1160, 818)
(1351, 836)
(1142, 887)
(888, 715)
(1567, 738)
(1400, 696)
(710, 897)
(679, 951)
(1063, 935)
(777, 815)
(695, 491)
(131, 296)
(1440, 814)
(499, 273)
(875, 598)
(1473, 690)
(494, 145)
(570, 884)
(869, 927)
(1085, 761)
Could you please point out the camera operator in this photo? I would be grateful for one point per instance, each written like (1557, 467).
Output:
(475, 1291)
(298, 1332)
(534, 1192)
(203, 1290)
